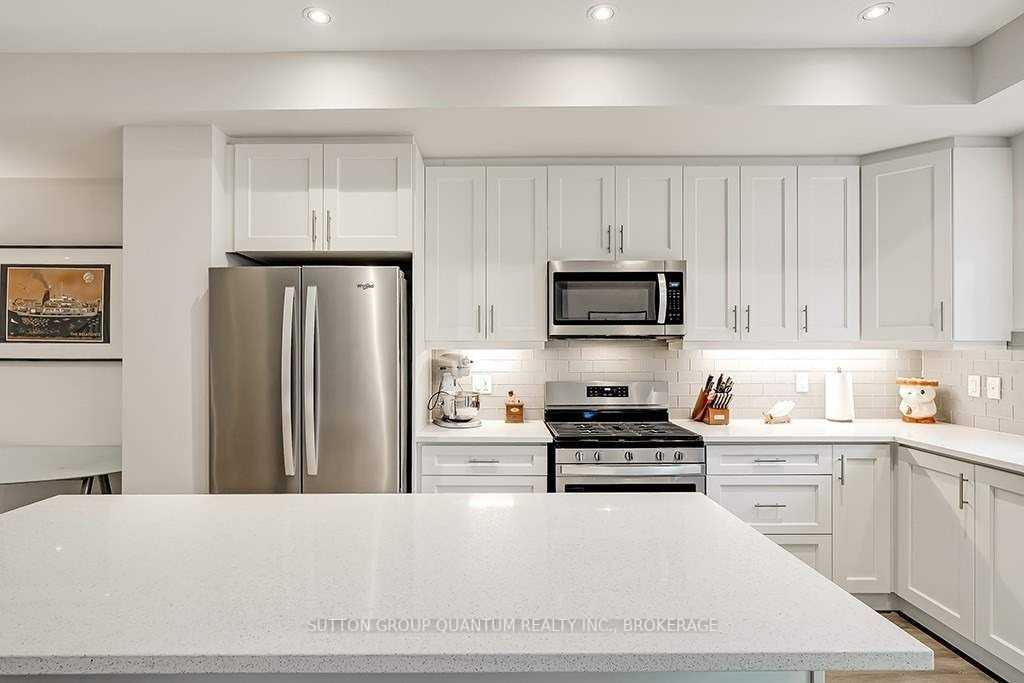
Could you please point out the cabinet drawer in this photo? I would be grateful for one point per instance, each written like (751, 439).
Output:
(525, 460)
(789, 459)
(777, 505)
(444, 484)
(815, 550)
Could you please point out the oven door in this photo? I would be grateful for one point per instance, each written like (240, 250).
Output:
(613, 299)
(630, 479)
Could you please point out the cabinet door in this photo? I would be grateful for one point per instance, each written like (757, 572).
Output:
(581, 210)
(999, 563)
(649, 212)
(711, 248)
(814, 550)
(906, 240)
(799, 504)
(368, 197)
(935, 537)
(517, 250)
(768, 255)
(455, 253)
(862, 518)
(454, 484)
(828, 243)
(279, 197)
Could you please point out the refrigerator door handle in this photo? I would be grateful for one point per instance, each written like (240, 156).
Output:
(287, 322)
(308, 399)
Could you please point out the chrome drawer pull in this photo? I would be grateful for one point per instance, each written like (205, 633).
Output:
(769, 460)
(484, 461)
(769, 505)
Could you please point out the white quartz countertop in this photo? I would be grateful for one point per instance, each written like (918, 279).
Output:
(489, 431)
(209, 584)
(981, 446)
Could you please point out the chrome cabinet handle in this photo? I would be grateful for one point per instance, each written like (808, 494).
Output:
(287, 322)
(484, 461)
(478, 319)
(747, 309)
(942, 316)
(769, 505)
(492, 318)
(327, 228)
(842, 470)
(314, 228)
(309, 382)
(963, 480)
(806, 319)
(735, 318)
(609, 239)
(622, 239)
(770, 460)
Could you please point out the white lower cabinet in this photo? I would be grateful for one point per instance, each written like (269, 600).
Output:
(797, 504)
(999, 564)
(862, 518)
(491, 484)
(815, 550)
(935, 537)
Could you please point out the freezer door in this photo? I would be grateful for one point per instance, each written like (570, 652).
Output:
(254, 380)
(353, 372)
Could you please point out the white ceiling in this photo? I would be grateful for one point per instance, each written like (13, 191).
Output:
(278, 25)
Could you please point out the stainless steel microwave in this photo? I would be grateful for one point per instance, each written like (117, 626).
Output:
(616, 298)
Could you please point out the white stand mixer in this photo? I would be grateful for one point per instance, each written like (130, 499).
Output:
(459, 408)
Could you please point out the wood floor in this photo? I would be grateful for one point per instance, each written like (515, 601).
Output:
(949, 666)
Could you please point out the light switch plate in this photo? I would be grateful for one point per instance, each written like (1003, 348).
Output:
(974, 386)
(481, 383)
(994, 387)
(803, 383)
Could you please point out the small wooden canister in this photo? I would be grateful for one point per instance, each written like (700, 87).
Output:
(513, 409)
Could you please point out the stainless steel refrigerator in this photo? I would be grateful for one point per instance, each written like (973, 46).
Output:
(308, 377)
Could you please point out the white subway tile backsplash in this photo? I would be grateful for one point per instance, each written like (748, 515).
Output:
(951, 368)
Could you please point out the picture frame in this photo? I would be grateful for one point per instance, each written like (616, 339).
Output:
(61, 303)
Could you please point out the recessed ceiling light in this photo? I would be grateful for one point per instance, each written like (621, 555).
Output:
(601, 13)
(317, 15)
(876, 11)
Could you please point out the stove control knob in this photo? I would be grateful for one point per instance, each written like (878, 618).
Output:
(629, 456)
(597, 455)
(579, 456)
(678, 455)
(659, 456)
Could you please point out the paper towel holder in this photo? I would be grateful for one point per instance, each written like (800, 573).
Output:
(839, 396)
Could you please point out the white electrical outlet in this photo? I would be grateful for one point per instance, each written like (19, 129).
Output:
(481, 383)
(994, 387)
(974, 386)
(803, 383)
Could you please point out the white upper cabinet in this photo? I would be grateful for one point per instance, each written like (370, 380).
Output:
(711, 238)
(581, 211)
(935, 537)
(999, 563)
(351, 197)
(517, 253)
(828, 239)
(768, 253)
(649, 212)
(278, 197)
(456, 255)
(862, 518)
(936, 235)
(368, 197)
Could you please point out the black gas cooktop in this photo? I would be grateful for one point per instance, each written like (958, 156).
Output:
(600, 431)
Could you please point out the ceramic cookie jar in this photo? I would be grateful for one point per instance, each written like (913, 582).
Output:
(917, 399)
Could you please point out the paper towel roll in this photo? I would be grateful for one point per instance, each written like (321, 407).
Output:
(839, 396)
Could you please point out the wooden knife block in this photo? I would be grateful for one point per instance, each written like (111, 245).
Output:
(716, 416)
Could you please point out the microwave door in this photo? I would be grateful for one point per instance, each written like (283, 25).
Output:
(618, 304)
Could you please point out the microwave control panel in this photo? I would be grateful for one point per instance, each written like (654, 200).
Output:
(674, 312)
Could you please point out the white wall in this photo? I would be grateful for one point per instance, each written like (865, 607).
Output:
(173, 207)
(58, 402)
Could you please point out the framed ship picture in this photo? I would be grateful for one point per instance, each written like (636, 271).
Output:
(61, 303)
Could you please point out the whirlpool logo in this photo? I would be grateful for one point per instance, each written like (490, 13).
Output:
(365, 285)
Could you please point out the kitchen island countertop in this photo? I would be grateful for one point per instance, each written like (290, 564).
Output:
(219, 584)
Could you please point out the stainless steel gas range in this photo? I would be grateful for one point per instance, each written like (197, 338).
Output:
(616, 436)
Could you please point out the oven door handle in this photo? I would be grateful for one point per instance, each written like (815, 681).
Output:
(626, 471)
(662, 298)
